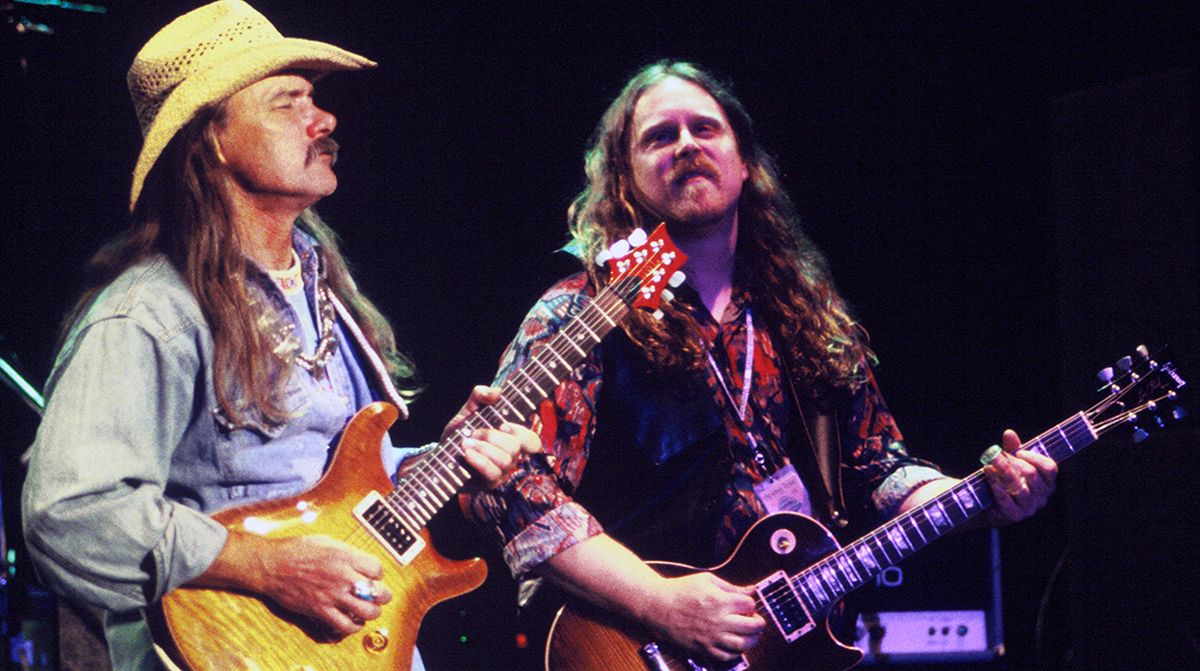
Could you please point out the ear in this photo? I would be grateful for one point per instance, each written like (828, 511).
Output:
(215, 139)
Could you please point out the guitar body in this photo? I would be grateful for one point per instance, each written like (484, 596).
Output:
(584, 638)
(218, 629)
(800, 574)
(355, 503)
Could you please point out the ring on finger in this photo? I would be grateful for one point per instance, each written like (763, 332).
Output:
(366, 590)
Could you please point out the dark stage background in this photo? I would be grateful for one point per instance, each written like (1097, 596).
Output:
(1005, 191)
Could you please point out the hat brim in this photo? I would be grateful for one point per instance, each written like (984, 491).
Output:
(222, 80)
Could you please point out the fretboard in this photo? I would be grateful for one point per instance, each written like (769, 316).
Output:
(440, 474)
(825, 582)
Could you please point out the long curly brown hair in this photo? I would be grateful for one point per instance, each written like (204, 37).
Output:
(183, 215)
(785, 274)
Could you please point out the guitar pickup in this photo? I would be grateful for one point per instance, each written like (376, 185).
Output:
(391, 532)
(781, 600)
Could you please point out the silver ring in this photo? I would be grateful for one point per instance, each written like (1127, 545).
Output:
(365, 590)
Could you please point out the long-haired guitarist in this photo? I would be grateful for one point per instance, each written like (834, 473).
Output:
(219, 348)
(752, 394)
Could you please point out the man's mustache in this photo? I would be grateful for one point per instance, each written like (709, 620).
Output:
(323, 145)
(697, 165)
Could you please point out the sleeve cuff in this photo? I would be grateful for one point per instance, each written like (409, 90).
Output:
(552, 533)
(896, 487)
(198, 539)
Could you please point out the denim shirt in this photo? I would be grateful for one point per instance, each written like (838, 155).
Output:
(133, 454)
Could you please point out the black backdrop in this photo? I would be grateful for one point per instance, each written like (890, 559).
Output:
(916, 141)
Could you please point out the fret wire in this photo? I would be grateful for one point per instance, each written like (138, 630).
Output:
(495, 419)
(558, 356)
(803, 590)
(814, 585)
(882, 550)
(427, 487)
(597, 324)
(546, 371)
(847, 567)
(515, 411)
(542, 377)
(522, 372)
(581, 352)
(903, 545)
(517, 390)
(582, 320)
(917, 528)
(607, 317)
(439, 485)
(398, 510)
(1066, 440)
(405, 514)
(830, 578)
(417, 507)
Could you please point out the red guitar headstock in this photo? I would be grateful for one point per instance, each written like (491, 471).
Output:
(1141, 392)
(644, 266)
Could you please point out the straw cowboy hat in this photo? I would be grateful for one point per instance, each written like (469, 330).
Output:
(205, 56)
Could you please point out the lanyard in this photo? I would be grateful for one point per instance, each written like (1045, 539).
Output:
(740, 405)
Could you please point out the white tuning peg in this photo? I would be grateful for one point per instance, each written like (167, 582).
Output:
(657, 314)
(637, 238)
(619, 249)
(1105, 375)
(667, 295)
(1144, 352)
(676, 278)
(1125, 363)
(603, 257)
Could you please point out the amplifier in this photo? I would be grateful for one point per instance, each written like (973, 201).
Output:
(942, 605)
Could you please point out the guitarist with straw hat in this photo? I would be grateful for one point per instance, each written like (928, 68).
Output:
(219, 348)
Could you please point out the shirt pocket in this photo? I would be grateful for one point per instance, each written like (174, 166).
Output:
(265, 462)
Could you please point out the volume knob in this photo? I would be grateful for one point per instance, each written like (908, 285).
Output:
(376, 641)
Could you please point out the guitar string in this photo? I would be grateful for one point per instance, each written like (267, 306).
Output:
(444, 460)
(442, 465)
(441, 462)
(565, 334)
(977, 486)
(1084, 431)
(1059, 442)
(416, 517)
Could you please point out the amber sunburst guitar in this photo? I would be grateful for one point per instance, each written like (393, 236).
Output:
(356, 502)
(800, 573)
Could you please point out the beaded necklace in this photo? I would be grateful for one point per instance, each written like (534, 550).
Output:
(287, 345)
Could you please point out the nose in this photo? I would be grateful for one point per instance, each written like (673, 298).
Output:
(687, 143)
(322, 123)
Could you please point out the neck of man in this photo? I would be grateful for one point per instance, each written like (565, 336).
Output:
(265, 226)
(711, 248)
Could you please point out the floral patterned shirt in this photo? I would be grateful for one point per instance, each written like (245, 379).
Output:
(534, 511)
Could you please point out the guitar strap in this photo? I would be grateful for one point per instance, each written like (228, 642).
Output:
(824, 440)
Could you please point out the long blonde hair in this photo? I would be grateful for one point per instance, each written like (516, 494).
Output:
(183, 215)
(785, 273)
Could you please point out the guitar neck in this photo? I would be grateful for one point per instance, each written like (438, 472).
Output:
(441, 473)
(825, 582)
